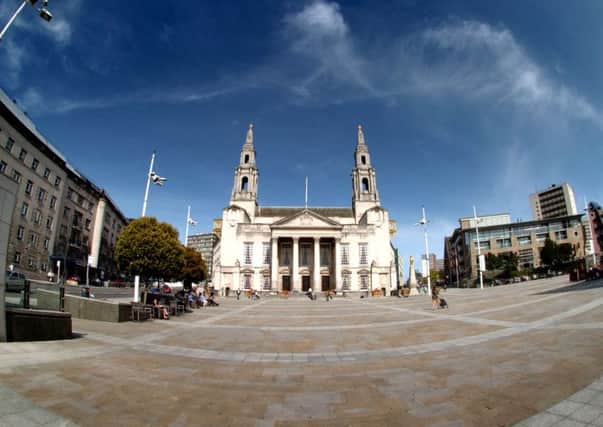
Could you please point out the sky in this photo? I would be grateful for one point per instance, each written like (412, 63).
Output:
(462, 103)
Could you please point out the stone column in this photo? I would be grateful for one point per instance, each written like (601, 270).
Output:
(316, 286)
(236, 276)
(274, 265)
(295, 270)
(337, 266)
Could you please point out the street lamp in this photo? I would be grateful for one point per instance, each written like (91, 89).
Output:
(479, 249)
(424, 223)
(43, 12)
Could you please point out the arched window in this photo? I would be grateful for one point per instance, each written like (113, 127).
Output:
(246, 158)
(244, 184)
(365, 185)
(363, 160)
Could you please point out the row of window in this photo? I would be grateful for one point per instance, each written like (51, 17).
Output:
(346, 283)
(306, 253)
(35, 163)
(33, 238)
(32, 263)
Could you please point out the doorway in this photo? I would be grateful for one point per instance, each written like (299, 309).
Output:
(325, 283)
(286, 283)
(305, 283)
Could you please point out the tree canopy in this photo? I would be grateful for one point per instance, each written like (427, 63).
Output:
(194, 268)
(554, 255)
(504, 265)
(151, 249)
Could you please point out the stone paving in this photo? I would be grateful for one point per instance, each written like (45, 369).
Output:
(529, 354)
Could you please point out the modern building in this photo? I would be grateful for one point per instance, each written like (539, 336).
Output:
(298, 248)
(555, 201)
(594, 226)
(523, 238)
(56, 206)
(204, 243)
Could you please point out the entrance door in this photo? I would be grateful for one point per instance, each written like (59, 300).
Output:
(325, 282)
(286, 283)
(305, 283)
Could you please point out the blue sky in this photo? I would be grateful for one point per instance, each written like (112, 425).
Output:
(462, 102)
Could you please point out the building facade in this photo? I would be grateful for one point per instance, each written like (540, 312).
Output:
(594, 225)
(522, 238)
(57, 207)
(555, 201)
(298, 248)
(205, 244)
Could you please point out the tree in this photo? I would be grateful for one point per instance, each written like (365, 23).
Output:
(548, 253)
(194, 268)
(150, 249)
(493, 262)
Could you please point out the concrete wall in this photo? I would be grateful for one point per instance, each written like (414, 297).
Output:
(37, 325)
(8, 197)
(87, 308)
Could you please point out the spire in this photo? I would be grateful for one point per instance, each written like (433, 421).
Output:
(360, 136)
(249, 139)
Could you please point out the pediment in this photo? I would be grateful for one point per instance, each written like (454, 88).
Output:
(306, 219)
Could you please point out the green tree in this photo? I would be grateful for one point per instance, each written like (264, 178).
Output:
(549, 253)
(194, 268)
(150, 249)
(566, 252)
(493, 262)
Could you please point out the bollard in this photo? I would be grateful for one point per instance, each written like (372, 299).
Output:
(26, 293)
(61, 298)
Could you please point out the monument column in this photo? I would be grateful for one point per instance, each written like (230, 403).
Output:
(274, 265)
(316, 286)
(295, 270)
(337, 266)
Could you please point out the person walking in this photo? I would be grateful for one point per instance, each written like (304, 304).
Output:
(435, 299)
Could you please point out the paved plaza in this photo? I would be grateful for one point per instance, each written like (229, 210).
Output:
(529, 353)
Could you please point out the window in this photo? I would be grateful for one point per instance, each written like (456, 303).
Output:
(9, 144)
(36, 216)
(22, 154)
(306, 254)
(363, 251)
(267, 283)
(285, 254)
(561, 235)
(363, 160)
(53, 202)
(46, 173)
(2, 166)
(325, 255)
(31, 263)
(28, 187)
(484, 244)
(46, 243)
(41, 195)
(44, 267)
(248, 253)
(266, 253)
(49, 222)
(63, 231)
(347, 281)
(244, 184)
(365, 185)
(24, 208)
(17, 177)
(87, 224)
(541, 237)
(17, 258)
(247, 281)
(345, 254)
(246, 158)
(57, 181)
(66, 212)
(20, 232)
(364, 281)
(503, 243)
(34, 164)
(69, 193)
(33, 239)
(524, 240)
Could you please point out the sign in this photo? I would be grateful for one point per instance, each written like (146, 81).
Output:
(90, 260)
(482, 263)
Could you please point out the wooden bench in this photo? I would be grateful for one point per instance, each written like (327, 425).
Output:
(141, 312)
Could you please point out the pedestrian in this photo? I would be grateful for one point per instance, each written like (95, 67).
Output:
(238, 294)
(435, 299)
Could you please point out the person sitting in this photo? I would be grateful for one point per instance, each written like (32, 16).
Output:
(163, 313)
(190, 299)
(309, 294)
(435, 299)
(201, 301)
(255, 295)
(211, 301)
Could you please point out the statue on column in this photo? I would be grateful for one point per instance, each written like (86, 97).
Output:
(412, 277)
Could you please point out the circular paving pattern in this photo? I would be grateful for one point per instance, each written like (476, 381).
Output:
(495, 357)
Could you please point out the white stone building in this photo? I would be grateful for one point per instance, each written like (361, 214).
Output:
(297, 248)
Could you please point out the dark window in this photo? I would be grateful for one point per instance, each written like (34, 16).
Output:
(246, 158)
(41, 195)
(46, 173)
(34, 164)
(53, 202)
(20, 232)
(57, 181)
(9, 144)
(16, 176)
(363, 160)
(2, 166)
(28, 187)
(244, 183)
(365, 185)
(22, 154)
(24, 209)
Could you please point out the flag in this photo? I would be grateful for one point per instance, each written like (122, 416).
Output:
(157, 179)
(192, 222)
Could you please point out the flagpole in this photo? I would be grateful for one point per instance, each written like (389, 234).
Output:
(306, 192)
(146, 191)
(188, 220)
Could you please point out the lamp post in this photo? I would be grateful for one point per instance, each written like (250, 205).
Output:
(43, 12)
(424, 222)
(479, 250)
